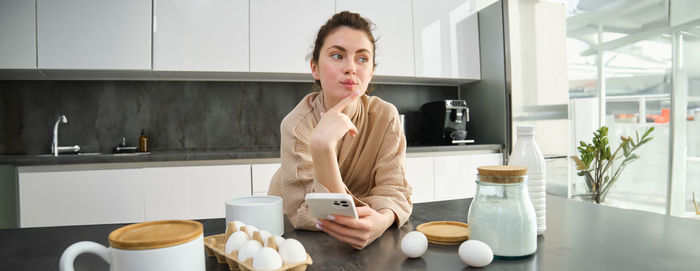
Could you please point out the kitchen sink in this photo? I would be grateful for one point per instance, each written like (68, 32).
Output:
(94, 154)
(88, 153)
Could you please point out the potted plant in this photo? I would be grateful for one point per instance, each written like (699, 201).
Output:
(601, 167)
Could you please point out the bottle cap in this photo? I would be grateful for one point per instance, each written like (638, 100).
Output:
(502, 174)
(526, 129)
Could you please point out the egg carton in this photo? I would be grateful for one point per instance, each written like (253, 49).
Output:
(214, 245)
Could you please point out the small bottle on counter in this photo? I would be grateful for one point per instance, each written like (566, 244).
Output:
(143, 142)
(527, 154)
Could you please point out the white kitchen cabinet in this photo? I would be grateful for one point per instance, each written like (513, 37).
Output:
(419, 172)
(455, 175)
(193, 192)
(200, 35)
(94, 34)
(261, 176)
(18, 32)
(394, 34)
(446, 39)
(282, 33)
(80, 197)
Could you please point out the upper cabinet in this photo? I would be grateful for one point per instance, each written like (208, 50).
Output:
(446, 39)
(282, 33)
(394, 33)
(421, 41)
(200, 35)
(94, 34)
(17, 34)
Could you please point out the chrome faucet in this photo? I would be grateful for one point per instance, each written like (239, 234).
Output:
(55, 149)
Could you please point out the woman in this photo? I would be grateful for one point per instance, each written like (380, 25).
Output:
(340, 140)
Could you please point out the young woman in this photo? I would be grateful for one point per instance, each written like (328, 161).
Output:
(340, 140)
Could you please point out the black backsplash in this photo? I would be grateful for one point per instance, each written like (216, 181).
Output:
(176, 115)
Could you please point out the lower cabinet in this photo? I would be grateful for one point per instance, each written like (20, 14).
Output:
(419, 172)
(262, 175)
(455, 175)
(80, 197)
(192, 192)
(58, 196)
(446, 177)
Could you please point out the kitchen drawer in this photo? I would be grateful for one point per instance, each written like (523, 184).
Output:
(195, 192)
(80, 197)
(261, 176)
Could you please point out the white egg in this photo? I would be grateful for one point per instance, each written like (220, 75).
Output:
(248, 249)
(414, 244)
(235, 241)
(279, 240)
(264, 235)
(292, 251)
(475, 253)
(267, 259)
(238, 224)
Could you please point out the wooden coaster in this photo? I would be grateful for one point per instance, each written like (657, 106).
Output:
(446, 243)
(445, 232)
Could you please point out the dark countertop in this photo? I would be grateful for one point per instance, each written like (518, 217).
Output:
(579, 236)
(197, 155)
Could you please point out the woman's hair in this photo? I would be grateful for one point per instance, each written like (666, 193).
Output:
(344, 18)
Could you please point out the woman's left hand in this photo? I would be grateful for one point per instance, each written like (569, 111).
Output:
(358, 232)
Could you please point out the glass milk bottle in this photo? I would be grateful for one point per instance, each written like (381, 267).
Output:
(501, 214)
(527, 154)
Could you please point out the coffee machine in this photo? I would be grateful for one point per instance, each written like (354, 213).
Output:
(444, 122)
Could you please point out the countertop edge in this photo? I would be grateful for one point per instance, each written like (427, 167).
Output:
(194, 158)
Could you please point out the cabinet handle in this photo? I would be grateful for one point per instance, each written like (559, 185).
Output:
(155, 18)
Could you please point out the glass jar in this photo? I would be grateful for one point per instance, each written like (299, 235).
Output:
(501, 213)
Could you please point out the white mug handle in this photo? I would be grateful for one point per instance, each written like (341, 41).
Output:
(68, 256)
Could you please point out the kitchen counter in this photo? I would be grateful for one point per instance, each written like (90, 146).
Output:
(204, 155)
(579, 236)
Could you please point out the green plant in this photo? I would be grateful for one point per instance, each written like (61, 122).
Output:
(597, 163)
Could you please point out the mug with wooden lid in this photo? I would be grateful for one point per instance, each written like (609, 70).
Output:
(156, 245)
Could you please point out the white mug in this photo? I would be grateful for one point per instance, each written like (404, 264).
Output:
(263, 212)
(188, 256)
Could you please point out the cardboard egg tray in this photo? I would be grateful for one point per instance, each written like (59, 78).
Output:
(215, 245)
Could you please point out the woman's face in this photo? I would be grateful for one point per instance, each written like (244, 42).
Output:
(344, 64)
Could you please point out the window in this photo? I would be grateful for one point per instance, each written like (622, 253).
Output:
(623, 57)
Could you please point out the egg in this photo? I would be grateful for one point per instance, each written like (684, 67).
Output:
(292, 251)
(279, 240)
(238, 224)
(414, 244)
(264, 235)
(475, 253)
(235, 241)
(267, 259)
(248, 249)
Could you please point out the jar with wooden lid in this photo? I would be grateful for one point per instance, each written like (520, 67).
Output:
(501, 213)
(175, 245)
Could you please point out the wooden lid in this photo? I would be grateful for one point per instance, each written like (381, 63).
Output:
(155, 234)
(445, 232)
(502, 171)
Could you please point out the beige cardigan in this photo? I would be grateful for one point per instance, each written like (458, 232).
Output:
(371, 164)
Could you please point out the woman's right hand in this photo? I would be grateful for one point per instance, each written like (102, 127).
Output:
(334, 124)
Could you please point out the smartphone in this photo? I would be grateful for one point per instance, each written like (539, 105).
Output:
(324, 204)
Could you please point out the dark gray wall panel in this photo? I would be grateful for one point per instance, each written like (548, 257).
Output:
(176, 115)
